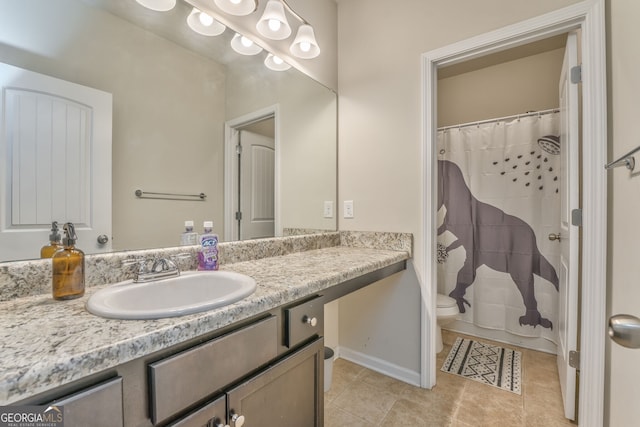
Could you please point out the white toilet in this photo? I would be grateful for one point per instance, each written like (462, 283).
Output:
(446, 311)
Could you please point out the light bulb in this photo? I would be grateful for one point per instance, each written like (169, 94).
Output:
(275, 63)
(203, 23)
(274, 24)
(244, 45)
(205, 19)
(305, 45)
(245, 41)
(158, 5)
(234, 7)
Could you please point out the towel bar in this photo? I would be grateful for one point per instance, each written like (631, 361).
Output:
(170, 196)
(626, 160)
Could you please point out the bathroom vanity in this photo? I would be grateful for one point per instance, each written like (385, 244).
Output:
(241, 374)
(256, 362)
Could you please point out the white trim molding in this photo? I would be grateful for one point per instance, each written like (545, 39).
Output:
(382, 366)
(589, 16)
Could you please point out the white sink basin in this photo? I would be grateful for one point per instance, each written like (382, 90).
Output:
(191, 292)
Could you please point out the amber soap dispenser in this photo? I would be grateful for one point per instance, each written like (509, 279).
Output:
(54, 242)
(68, 267)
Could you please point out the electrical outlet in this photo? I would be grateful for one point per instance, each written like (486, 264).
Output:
(328, 209)
(348, 208)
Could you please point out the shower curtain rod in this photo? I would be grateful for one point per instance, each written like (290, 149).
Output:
(501, 119)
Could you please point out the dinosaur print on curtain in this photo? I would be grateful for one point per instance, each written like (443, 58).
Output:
(498, 199)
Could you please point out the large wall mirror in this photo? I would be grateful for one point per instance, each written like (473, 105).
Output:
(174, 92)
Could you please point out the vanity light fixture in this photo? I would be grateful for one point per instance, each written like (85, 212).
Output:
(273, 23)
(244, 45)
(304, 45)
(275, 63)
(203, 23)
(158, 5)
(237, 7)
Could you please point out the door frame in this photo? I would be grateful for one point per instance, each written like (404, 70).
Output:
(231, 167)
(589, 17)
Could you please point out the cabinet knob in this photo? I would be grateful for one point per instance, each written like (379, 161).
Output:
(554, 236)
(311, 321)
(238, 420)
(103, 239)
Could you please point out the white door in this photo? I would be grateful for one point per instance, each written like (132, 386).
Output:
(257, 185)
(55, 162)
(569, 234)
(623, 264)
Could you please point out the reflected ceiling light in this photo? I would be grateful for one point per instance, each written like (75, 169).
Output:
(273, 23)
(158, 5)
(305, 45)
(203, 23)
(237, 7)
(275, 63)
(244, 46)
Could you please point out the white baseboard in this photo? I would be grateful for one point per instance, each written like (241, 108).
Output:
(382, 366)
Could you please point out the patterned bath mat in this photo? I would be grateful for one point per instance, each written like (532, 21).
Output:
(485, 363)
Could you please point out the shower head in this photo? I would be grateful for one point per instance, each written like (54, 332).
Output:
(550, 144)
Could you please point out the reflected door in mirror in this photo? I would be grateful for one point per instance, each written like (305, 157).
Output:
(56, 162)
(257, 186)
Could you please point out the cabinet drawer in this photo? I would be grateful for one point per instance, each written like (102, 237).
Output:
(97, 406)
(303, 321)
(214, 412)
(179, 381)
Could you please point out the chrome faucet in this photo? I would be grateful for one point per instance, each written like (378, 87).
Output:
(161, 268)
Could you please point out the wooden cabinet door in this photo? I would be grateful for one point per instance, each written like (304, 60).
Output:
(288, 394)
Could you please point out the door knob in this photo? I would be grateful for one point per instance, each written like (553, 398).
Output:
(624, 329)
(102, 239)
(554, 236)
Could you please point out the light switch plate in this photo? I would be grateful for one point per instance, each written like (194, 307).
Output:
(328, 209)
(348, 208)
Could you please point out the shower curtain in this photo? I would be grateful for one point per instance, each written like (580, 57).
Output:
(498, 200)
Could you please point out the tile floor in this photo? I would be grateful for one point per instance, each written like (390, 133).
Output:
(360, 397)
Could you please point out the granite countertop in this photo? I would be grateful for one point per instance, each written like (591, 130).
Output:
(47, 343)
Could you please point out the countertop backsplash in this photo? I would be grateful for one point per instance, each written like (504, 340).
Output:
(378, 240)
(28, 278)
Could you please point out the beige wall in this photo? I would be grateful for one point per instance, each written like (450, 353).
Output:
(379, 154)
(513, 87)
(161, 92)
(379, 139)
(623, 373)
(323, 16)
(308, 138)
